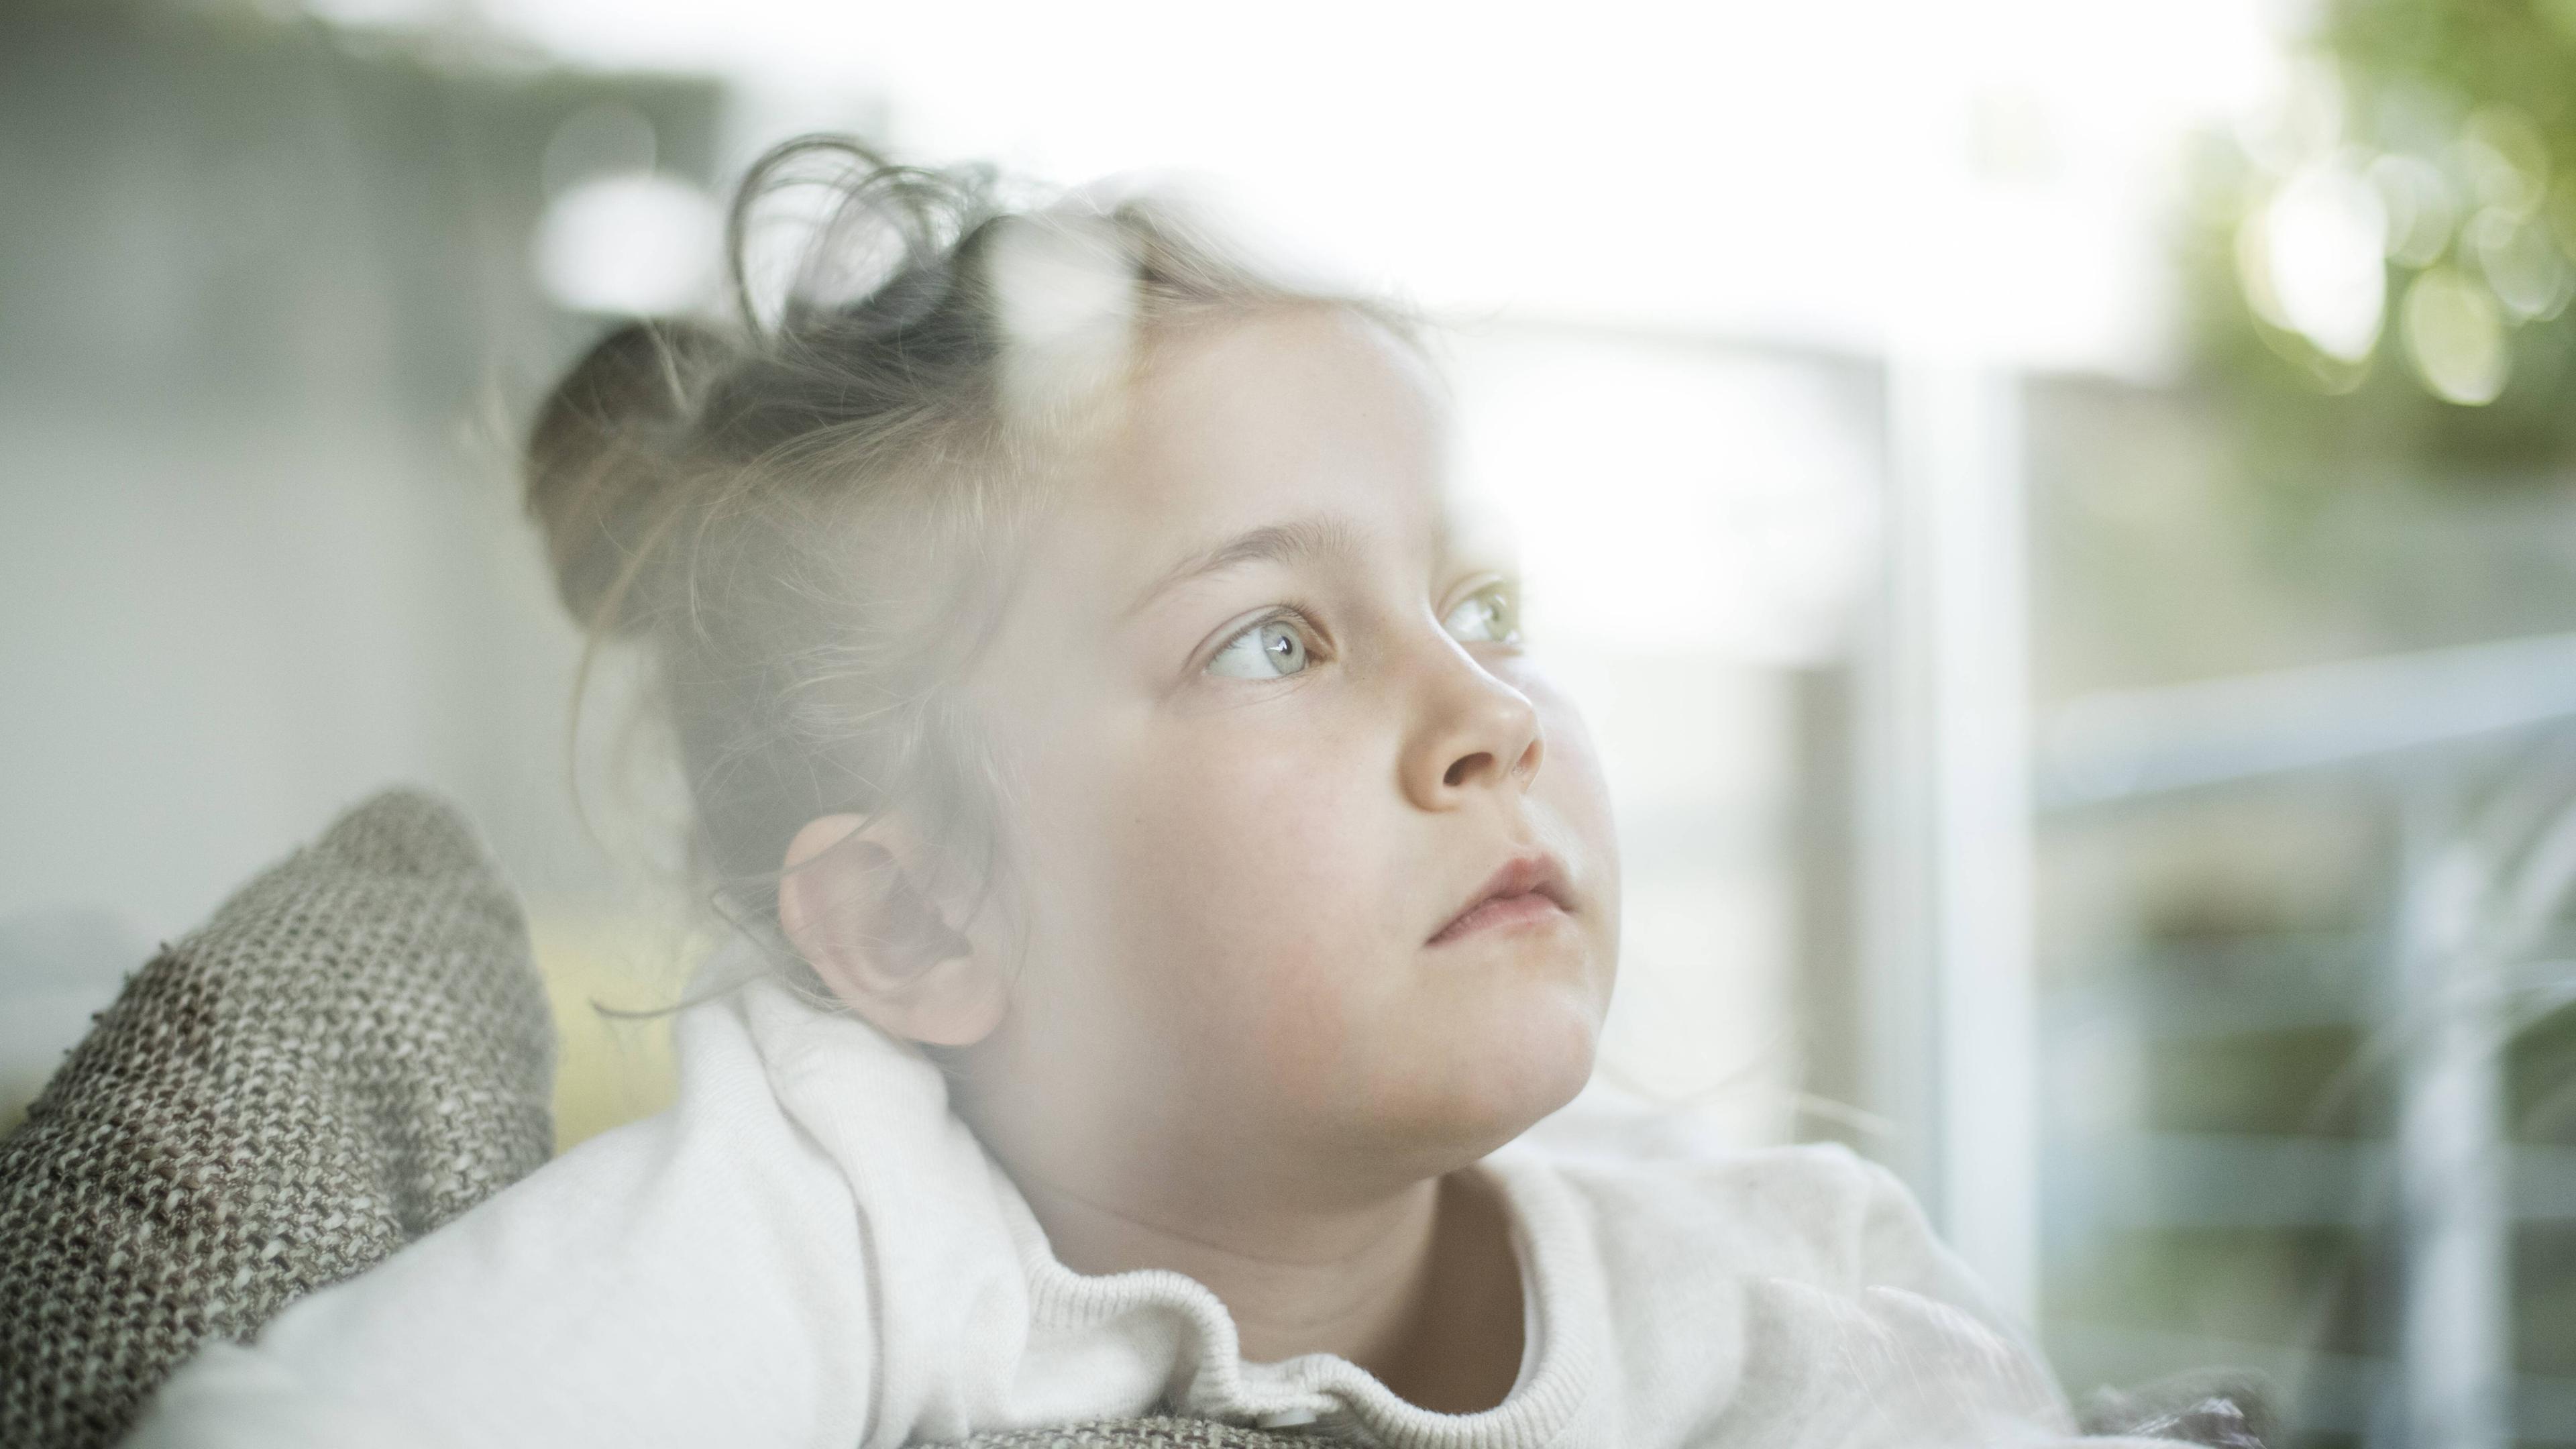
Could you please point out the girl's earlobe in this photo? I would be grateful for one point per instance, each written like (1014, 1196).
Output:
(848, 902)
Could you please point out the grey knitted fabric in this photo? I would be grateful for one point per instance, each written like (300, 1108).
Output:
(1161, 1432)
(355, 1049)
(2215, 1407)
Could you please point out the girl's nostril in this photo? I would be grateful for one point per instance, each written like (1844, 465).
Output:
(1461, 769)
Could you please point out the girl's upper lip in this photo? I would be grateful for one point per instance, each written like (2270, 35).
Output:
(1533, 873)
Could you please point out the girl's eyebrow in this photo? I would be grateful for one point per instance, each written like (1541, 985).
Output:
(1288, 542)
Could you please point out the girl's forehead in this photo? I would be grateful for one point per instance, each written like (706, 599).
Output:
(1309, 436)
(1303, 410)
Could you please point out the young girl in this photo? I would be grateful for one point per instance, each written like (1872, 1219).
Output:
(1169, 890)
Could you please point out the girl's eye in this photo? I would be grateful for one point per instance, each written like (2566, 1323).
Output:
(1491, 615)
(1271, 649)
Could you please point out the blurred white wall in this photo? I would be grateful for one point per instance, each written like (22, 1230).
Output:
(1782, 172)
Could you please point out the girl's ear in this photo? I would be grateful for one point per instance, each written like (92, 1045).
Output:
(849, 902)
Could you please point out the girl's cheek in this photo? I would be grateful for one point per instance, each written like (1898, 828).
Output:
(1259, 810)
(1578, 788)
(1582, 793)
(1301, 1036)
(1260, 840)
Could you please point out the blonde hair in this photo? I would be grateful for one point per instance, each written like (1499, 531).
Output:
(810, 516)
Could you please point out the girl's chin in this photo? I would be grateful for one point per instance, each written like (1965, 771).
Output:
(1494, 1094)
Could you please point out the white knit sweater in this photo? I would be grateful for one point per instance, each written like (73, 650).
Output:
(810, 1249)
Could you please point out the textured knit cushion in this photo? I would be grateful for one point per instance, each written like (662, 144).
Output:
(355, 1049)
(1153, 1433)
(2218, 1408)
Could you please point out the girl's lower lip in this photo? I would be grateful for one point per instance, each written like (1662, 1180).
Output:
(1501, 912)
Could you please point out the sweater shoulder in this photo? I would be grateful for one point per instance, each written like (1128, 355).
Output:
(1658, 1190)
(1736, 1281)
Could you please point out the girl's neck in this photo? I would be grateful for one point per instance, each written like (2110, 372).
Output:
(1421, 1288)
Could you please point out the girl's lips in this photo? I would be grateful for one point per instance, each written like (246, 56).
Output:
(1528, 889)
(1501, 913)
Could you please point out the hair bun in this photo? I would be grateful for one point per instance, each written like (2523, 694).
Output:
(604, 461)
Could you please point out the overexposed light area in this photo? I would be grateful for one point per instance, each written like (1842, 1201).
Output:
(631, 243)
(1669, 498)
(1782, 173)
(2313, 261)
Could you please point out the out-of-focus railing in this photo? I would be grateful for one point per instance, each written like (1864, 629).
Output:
(2144, 744)
(2486, 866)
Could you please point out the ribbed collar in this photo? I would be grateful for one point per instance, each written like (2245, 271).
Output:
(1336, 1395)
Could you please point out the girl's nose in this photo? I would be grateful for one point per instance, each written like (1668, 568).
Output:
(1475, 733)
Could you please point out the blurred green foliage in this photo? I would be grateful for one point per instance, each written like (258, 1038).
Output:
(2442, 133)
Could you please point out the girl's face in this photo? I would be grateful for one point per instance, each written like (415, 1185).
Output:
(1276, 739)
